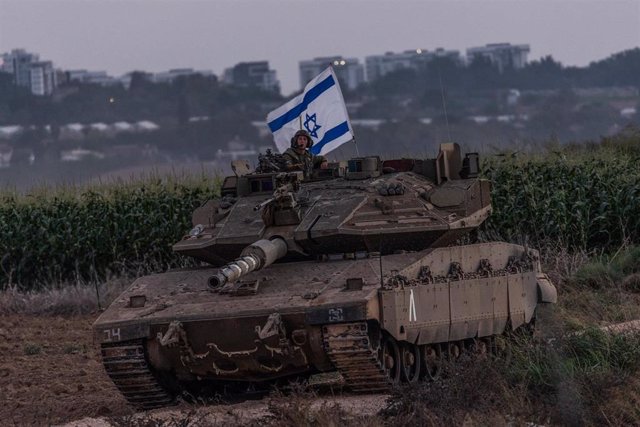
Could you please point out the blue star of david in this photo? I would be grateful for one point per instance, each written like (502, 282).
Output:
(312, 119)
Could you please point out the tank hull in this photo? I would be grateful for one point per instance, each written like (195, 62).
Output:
(301, 318)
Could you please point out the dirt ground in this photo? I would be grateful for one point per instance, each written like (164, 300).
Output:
(51, 374)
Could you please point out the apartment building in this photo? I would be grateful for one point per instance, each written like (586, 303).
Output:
(28, 71)
(502, 55)
(348, 70)
(95, 77)
(380, 65)
(171, 75)
(42, 78)
(252, 74)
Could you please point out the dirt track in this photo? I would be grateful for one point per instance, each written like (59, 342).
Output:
(50, 373)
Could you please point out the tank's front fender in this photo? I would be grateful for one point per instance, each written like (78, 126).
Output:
(546, 291)
(105, 334)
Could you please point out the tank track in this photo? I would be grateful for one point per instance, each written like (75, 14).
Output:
(126, 365)
(348, 346)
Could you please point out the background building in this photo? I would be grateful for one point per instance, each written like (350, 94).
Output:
(502, 55)
(43, 79)
(95, 77)
(380, 65)
(18, 62)
(348, 70)
(28, 71)
(252, 74)
(171, 75)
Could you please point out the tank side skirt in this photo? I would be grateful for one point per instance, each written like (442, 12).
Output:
(461, 294)
(458, 310)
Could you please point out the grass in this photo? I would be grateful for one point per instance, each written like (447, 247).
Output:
(473, 392)
(63, 299)
(191, 418)
(609, 270)
(31, 349)
(570, 378)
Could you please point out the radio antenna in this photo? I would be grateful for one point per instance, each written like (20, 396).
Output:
(380, 255)
(444, 104)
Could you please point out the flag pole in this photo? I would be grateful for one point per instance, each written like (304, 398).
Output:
(356, 144)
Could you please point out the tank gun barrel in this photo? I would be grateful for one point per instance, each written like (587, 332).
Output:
(256, 256)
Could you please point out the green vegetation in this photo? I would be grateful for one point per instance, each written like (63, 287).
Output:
(88, 234)
(610, 270)
(579, 379)
(570, 103)
(581, 197)
(31, 349)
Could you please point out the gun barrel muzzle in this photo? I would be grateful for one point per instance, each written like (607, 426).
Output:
(254, 257)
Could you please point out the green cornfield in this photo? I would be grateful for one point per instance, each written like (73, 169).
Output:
(579, 200)
(86, 234)
(579, 197)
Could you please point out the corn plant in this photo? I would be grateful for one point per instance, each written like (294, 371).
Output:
(86, 234)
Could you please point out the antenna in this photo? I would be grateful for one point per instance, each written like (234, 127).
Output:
(444, 104)
(380, 257)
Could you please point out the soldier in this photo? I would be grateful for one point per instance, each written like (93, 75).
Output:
(297, 157)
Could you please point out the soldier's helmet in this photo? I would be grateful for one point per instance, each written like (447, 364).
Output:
(302, 132)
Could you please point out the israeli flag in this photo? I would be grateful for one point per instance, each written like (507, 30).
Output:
(320, 109)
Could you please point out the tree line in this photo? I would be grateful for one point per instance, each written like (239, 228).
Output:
(197, 95)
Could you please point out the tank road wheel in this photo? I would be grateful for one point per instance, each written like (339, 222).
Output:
(389, 355)
(501, 348)
(454, 350)
(410, 357)
(480, 348)
(432, 358)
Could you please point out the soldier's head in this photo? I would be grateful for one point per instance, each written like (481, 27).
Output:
(301, 140)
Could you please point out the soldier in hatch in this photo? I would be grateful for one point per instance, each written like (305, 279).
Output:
(297, 157)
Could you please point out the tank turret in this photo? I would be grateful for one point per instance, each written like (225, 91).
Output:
(363, 205)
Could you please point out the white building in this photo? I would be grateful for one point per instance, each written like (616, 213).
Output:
(99, 127)
(43, 78)
(348, 70)
(380, 65)
(18, 62)
(122, 127)
(146, 126)
(29, 71)
(502, 55)
(7, 132)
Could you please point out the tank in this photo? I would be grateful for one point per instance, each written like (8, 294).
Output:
(358, 268)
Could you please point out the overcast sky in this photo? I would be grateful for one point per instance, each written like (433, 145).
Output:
(152, 35)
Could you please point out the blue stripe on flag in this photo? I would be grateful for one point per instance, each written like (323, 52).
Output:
(329, 136)
(309, 97)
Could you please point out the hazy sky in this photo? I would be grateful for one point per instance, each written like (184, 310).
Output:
(151, 35)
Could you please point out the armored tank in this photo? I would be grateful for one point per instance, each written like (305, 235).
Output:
(357, 268)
